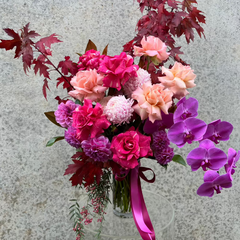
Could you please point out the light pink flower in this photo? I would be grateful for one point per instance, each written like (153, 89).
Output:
(133, 83)
(128, 147)
(118, 70)
(88, 85)
(178, 79)
(154, 48)
(151, 100)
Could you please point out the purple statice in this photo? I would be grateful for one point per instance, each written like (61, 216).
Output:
(97, 148)
(187, 131)
(90, 60)
(218, 131)
(164, 156)
(214, 182)
(71, 137)
(64, 113)
(186, 108)
(233, 157)
(206, 156)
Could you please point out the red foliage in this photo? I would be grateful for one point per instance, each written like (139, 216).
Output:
(68, 66)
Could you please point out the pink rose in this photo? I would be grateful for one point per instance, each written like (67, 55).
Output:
(178, 79)
(151, 100)
(118, 70)
(154, 48)
(89, 121)
(128, 147)
(88, 85)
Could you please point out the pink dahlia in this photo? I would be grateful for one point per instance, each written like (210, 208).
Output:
(154, 48)
(152, 99)
(119, 109)
(178, 79)
(89, 85)
(118, 70)
(128, 147)
(90, 60)
(64, 113)
(89, 121)
(133, 83)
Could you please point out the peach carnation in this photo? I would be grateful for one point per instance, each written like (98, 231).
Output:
(178, 79)
(151, 100)
(154, 48)
(88, 85)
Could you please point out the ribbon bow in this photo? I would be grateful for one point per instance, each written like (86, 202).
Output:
(139, 210)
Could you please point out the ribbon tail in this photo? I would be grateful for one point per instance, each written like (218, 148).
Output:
(139, 210)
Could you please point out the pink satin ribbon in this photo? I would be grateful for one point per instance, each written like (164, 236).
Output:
(139, 210)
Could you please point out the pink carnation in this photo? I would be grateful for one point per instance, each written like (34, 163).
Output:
(133, 83)
(154, 48)
(151, 100)
(89, 121)
(88, 85)
(128, 147)
(90, 60)
(118, 70)
(178, 79)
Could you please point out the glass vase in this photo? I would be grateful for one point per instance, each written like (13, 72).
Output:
(121, 197)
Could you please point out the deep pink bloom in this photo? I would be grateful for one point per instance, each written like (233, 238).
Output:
(187, 131)
(233, 157)
(128, 147)
(89, 121)
(218, 131)
(214, 182)
(90, 60)
(118, 70)
(206, 156)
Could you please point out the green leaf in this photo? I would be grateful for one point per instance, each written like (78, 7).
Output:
(53, 140)
(165, 166)
(77, 101)
(179, 159)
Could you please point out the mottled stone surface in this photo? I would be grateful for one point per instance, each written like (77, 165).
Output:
(34, 193)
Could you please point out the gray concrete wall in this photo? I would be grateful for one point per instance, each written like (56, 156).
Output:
(34, 193)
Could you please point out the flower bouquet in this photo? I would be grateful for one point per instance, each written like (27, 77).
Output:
(122, 108)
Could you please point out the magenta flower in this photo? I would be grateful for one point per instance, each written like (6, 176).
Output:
(186, 108)
(233, 157)
(214, 182)
(89, 121)
(64, 113)
(218, 131)
(71, 137)
(164, 156)
(187, 131)
(206, 156)
(97, 148)
(118, 70)
(160, 140)
(166, 122)
(90, 60)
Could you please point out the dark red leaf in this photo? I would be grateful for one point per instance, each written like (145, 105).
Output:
(68, 66)
(60, 100)
(90, 46)
(65, 83)
(41, 67)
(45, 87)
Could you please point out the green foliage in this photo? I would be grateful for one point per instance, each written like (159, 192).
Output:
(53, 140)
(179, 159)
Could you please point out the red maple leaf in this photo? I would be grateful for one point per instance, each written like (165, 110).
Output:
(65, 83)
(44, 44)
(10, 44)
(45, 87)
(40, 65)
(60, 100)
(68, 66)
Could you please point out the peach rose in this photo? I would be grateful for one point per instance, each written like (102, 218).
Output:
(151, 100)
(154, 48)
(88, 85)
(178, 79)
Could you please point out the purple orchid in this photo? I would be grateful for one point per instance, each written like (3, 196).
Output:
(218, 131)
(166, 122)
(187, 131)
(233, 157)
(214, 182)
(186, 108)
(206, 156)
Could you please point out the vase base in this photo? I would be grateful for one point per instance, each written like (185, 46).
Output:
(122, 215)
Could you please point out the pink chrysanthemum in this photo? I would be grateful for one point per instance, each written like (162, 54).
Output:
(118, 70)
(119, 110)
(90, 60)
(133, 83)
